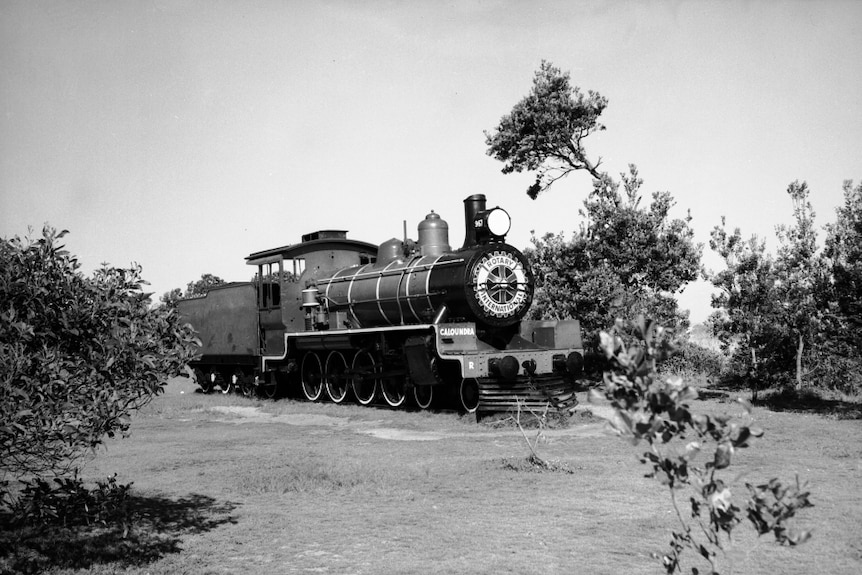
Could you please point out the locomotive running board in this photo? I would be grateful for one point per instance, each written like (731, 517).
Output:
(337, 333)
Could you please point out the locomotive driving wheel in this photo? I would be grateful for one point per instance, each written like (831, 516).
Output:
(469, 394)
(392, 389)
(363, 381)
(312, 380)
(336, 379)
(423, 395)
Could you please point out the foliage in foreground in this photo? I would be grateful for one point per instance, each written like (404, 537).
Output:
(77, 355)
(688, 453)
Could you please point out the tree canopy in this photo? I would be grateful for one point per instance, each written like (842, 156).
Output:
(626, 259)
(545, 131)
(77, 354)
(843, 251)
(196, 288)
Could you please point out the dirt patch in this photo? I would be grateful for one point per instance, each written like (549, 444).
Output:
(250, 415)
(404, 434)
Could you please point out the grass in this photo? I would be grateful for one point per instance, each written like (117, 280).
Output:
(289, 487)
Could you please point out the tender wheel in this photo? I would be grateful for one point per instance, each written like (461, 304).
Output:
(312, 380)
(393, 391)
(203, 381)
(363, 382)
(423, 395)
(243, 382)
(336, 380)
(225, 383)
(469, 395)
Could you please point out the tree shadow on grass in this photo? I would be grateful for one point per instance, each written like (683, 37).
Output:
(809, 402)
(154, 529)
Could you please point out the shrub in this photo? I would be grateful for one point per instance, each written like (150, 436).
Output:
(691, 360)
(77, 355)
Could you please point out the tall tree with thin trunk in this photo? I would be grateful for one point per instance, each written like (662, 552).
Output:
(802, 273)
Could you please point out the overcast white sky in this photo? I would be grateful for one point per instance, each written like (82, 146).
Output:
(184, 135)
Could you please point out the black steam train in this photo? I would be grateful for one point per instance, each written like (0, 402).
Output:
(405, 321)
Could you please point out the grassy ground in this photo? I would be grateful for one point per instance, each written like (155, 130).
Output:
(228, 485)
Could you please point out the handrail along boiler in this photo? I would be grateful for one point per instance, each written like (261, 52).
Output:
(407, 320)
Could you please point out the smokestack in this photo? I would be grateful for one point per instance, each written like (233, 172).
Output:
(472, 206)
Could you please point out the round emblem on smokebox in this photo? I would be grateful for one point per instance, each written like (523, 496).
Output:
(501, 285)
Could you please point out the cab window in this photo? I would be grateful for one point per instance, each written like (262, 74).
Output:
(269, 285)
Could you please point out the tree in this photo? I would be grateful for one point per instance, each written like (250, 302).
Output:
(626, 258)
(545, 131)
(170, 298)
(843, 250)
(202, 286)
(197, 288)
(804, 285)
(77, 355)
(750, 325)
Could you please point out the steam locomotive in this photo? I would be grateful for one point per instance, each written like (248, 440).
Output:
(403, 323)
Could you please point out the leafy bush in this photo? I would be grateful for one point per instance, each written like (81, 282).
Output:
(836, 366)
(77, 355)
(691, 360)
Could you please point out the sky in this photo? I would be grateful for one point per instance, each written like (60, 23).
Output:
(185, 135)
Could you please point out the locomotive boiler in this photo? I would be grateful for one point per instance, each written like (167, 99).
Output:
(405, 321)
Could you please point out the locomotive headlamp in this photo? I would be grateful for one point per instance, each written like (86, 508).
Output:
(491, 224)
(499, 222)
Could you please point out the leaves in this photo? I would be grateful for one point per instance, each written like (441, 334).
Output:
(656, 410)
(76, 354)
(626, 260)
(544, 132)
(722, 456)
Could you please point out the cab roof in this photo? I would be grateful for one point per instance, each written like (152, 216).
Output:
(322, 240)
